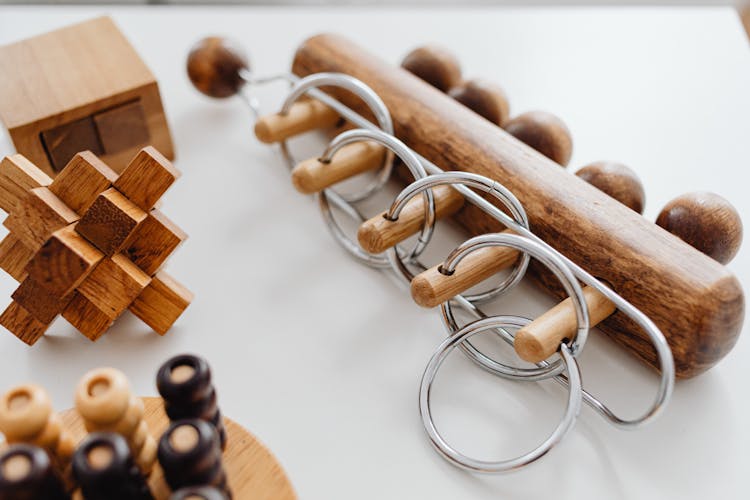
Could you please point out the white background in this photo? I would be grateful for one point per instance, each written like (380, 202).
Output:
(322, 358)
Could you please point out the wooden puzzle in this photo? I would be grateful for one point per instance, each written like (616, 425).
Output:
(89, 244)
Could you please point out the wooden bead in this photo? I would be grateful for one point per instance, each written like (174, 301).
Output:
(214, 66)
(484, 98)
(26, 473)
(616, 180)
(706, 221)
(435, 65)
(312, 176)
(544, 132)
(199, 493)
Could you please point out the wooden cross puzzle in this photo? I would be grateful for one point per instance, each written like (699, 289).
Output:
(89, 244)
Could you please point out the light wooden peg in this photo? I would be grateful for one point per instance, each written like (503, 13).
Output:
(303, 116)
(541, 338)
(431, 288)
(378, 234)
(311, 176)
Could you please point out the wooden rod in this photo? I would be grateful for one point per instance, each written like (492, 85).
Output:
(541, 338)
(696, 302)
(312, 175)
(303, 116)
(378, 234)
(431, 287)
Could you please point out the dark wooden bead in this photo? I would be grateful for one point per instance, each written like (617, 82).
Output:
(214, 66)
(706, 221)
(435, 65)
(484, 98)
(618, 181)
(26, 473)
(544, 132)
(199, 492)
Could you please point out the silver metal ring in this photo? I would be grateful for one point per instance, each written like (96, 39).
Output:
(457, 458)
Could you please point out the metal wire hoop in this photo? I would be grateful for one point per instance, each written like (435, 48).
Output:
(457, 458)
(370, 98)
(417, 170)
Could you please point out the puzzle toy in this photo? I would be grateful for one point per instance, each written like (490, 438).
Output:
(89, 244)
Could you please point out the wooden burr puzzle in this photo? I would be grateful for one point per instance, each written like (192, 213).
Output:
(89, 245)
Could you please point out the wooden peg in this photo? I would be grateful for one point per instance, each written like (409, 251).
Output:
(431, 287)
(304, 116)
(14, 256)
(435, 65)
(26, 473)
(17, 177)
(541, 338)
(616, 180)
(484, 98)
(378, 234)
(544, 132)
(312, 175)
(39, 215)
(214, 66)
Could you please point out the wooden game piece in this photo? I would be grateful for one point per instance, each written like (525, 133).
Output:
(105, 470)
(63, 261)
(110, 221)
(215, 67)
(312, 175)
(199, 493)
(81, 181)
(26, 473)
(14, 256)
(544, 132)
(42, 304)
(153, 241)
(26, 416)
(435, 65)
(106, 404)
(17, 177)
(184, 382)
(114, 284)
(161, 302)
(190, 455)
(378, 234)
(39, 215)
(484, 98)
(22, 324)
(617, 180)
(86, 317)
(85, 80)
(303, 116)
(146, 178)
(706, 221)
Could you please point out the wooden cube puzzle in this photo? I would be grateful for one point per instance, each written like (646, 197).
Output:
(89, 245)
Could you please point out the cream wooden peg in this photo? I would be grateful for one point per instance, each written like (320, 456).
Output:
(303, 116)
(311, 176)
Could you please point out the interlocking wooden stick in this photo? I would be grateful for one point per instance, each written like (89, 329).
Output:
(312, 175)
(303, 116)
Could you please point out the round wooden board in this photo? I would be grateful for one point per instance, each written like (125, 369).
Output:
(253, 472)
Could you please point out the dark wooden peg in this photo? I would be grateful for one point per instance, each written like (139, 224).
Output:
(706, 221)
(618, 181)
(544, 132)
(484, 98)
(214, 66)
(435, 65)
(26, 473)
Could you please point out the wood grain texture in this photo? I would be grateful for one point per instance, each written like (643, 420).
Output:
(64, 141)
(161, 303)
(81, 181)
(435, 65)
(146, 178)
(22, 323)
(122, 127)
(86, 317)
(312, 175)
(304, 115)
(38, 301)
(39, 215)
(110, 221)
(484, 98)
(618, 181)
(252, 470)
(114, 284)
(153, 241)
(14, 256)
(695, 301)
(544, 132)
(17, 177)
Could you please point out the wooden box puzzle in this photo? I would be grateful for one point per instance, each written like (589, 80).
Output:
(89, 244)
(80, 88)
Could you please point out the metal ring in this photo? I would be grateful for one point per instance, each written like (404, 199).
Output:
(457, 458)
(370, 98)
(417, 170)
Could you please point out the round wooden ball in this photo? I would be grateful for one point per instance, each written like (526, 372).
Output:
(544, 132)
(484, 98)
(616, 180)
(214, 66)
(435, 65)
(706, 221)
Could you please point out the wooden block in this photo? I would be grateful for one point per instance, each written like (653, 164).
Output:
(63, 261)
(81, 181)
(64, 141)
(147, 178)
(161, 302)
(153, 241)
(14, 256)
(22, 324)
(17, 177)
(86, 317)
(122, 127)
(109, 221)
(39, 215)
(38, 301)
(113, 285)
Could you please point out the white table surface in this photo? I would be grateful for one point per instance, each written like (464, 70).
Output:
(322, 358)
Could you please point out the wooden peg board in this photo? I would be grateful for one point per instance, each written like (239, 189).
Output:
(252, 470)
